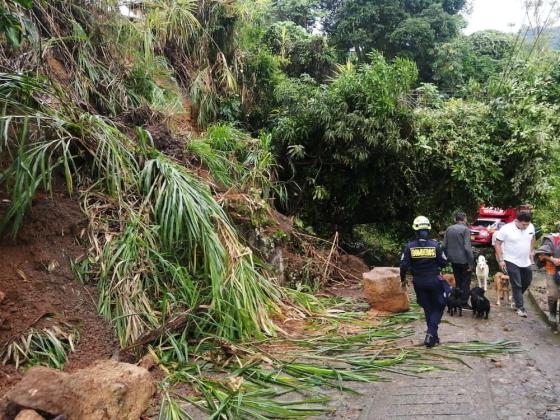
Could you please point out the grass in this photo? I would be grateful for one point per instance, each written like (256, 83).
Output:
(168, 247)
(235, 159)
(47, 347)
(170, 241)
(44, 140)
(170, 408)
(161, 244)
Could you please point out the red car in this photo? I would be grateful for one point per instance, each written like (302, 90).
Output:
(488, 222)
(483, 229)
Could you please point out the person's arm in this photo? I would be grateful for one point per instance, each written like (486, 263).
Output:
(500, 255)
(468, 248)
(532, 250)
(405, 264)
(441, 261)
(549, 258)
(546, 251)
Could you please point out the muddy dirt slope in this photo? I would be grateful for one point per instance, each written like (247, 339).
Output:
(39, 287)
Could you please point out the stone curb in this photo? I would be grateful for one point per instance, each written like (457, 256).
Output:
(540, 310)
(542, 313)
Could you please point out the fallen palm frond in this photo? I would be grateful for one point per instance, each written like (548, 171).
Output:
(232, 397)
(310, 364)
(177, 216)
(482, 348)
(168, 247)
(48, 347)
(414, 314)
(140, 286)
(196, 228)
(160, 242)
(170, 409)
(43, 138)
(264, 372)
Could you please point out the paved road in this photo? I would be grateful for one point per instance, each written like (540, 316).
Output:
(520, 386)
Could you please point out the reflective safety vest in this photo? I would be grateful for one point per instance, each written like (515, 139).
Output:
(423, 257)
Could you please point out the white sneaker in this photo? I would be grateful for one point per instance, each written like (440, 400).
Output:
(512, 306)
(522, 313)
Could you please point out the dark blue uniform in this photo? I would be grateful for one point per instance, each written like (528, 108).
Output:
(425, 258)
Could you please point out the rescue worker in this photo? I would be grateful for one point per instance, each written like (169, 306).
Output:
(549, 255)
(424, 258)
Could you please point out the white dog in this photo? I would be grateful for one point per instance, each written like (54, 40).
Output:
(482, 272)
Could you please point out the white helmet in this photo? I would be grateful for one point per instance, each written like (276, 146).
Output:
(421, 223)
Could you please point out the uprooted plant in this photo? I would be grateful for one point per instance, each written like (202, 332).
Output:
(47, 346)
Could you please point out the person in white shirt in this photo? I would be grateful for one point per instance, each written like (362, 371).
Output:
(515, 244)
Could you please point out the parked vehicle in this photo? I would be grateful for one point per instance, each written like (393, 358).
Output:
(488, 222)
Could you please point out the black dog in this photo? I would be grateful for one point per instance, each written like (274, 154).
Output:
(454, 302)
(480, 305)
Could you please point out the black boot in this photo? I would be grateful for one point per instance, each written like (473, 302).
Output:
(430, 341)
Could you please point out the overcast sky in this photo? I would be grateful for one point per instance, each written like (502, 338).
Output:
(502, 15)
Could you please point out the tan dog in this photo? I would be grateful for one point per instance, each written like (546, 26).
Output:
(503, 288)
(449, 278)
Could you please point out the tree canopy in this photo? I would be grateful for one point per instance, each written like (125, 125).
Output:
(405, 28)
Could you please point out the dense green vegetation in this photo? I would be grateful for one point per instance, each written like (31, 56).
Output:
(398, 28)
(184, 128)
(356, 127)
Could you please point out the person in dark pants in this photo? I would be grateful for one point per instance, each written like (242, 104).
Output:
(515, 251)
(424, 258)
(458, 250)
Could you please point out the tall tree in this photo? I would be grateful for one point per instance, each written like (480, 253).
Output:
(406, 28)
(302, 12)
(477, 57)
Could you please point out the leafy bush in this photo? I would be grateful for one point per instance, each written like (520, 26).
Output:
(336, 140)
(478, 57)
(299, 51)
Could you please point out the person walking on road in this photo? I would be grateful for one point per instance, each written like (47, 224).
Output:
(515, 244)
(549, 255)
(458, 250)
(424, 258)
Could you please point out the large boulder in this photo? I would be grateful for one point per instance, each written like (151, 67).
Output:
(123, 391)
(383, 291)
(106, 390)
(42, 389)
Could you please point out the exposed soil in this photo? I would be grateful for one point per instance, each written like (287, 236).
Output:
(39, 286)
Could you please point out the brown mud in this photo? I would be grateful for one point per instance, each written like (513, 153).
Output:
(39, 285)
